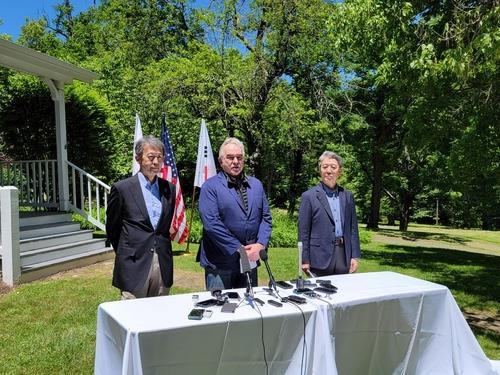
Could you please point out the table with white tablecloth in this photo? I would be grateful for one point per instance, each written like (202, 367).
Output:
(377, 323)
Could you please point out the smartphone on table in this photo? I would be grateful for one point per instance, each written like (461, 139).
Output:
(196, 314)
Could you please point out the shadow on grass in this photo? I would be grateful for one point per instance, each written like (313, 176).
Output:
(463, 271)
(414, 236)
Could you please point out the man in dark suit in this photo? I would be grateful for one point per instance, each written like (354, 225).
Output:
(139, 214)
(328, 228)
(234, 211)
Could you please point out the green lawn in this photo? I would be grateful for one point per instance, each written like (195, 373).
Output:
(48, 326)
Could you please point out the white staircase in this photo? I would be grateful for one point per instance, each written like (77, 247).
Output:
(42, 242)
(51, 242)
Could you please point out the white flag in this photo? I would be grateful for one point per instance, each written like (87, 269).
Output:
(205, 164)
(137, 136)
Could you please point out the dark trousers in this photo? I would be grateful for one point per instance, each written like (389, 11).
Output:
(337, 266)
(217, 279)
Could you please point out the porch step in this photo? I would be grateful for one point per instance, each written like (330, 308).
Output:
(50, 267)
(42, 230)
(34, 243)
(55, 253)
(36, 218)
(51, 242)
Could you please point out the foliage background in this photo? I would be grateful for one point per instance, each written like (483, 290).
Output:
(406, 92)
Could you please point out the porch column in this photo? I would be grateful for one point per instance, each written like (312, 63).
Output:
(57, 94)
(9, 213)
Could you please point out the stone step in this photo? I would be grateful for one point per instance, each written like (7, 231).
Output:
(33, 257)
(43, 242)
(50, 267)
(47, 229)
(28, 218)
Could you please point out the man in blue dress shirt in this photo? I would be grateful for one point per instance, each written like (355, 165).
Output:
(138, 219)
(328, 228)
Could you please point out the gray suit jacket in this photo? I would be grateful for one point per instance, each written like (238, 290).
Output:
(132, 235)
(317, 228)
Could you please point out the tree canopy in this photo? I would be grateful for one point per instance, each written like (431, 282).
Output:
(406, 92)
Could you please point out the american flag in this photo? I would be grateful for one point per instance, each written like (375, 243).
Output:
(178, 229)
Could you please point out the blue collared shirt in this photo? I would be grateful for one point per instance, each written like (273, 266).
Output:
(334, 202)
(151, 194)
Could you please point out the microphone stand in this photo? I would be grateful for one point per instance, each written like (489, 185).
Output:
(249, 291)
(246, 269)
(273, 289)
(249, 295)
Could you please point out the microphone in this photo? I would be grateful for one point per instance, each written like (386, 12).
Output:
(244, 262)
(300, 281)
(263, 257)
(299, 245)
(246, 269)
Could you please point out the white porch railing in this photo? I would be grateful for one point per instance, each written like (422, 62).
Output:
(88, 196)
(36, 181)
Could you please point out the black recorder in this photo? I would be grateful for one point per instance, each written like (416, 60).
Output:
(296, 299)
(302, 290)
(274, 303)
(321, 289)
(207, 303)
(284, 285)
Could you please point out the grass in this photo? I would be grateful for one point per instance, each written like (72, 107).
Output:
(447, 234)
(48, 326)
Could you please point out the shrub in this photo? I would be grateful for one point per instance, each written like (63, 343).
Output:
(284, 232)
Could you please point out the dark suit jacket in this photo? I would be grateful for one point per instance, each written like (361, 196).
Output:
(317, 228)
(226, 225)
(132, 235)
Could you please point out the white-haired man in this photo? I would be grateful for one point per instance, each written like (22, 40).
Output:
(234, 211)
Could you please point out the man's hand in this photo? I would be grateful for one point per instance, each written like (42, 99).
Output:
(306, 267)
(253, 251)
(354, 265)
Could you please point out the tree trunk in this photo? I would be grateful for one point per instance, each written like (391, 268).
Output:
(269, 182)
(405, 211)
(376, 195)
(254, 157)
(293, 192)
(391, 220)
(382, 131)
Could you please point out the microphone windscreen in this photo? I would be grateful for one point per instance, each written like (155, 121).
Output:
(263, 254)
(244, 262)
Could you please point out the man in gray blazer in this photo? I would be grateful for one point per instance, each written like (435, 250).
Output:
(138, 218)
(328, 228)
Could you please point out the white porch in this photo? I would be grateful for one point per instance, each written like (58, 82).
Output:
(40, 238)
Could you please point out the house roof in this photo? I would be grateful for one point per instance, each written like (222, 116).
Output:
(40, 64)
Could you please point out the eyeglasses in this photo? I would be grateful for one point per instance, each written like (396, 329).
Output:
(152, 157)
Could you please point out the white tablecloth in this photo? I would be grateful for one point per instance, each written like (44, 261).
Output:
(377, 323)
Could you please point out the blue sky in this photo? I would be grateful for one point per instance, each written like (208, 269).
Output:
(14, 13)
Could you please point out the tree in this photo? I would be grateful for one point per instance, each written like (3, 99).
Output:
(88, 128)
(273, 34)
(459, 56)
(412, 84)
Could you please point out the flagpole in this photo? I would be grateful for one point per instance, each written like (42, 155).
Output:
(205, 168)
(191, 220)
